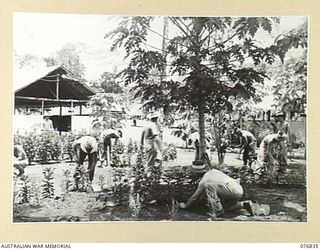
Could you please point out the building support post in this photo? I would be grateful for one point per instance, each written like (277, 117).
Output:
(42, 107)
(57, 87)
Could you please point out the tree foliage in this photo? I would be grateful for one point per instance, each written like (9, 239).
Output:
(210, 51)
(295, 38)
(69, 57)
(214, 59)
(107, 110)
(107, 83)
(25, 60)
(290, 90)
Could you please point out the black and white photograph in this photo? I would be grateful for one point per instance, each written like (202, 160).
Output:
(159, 118)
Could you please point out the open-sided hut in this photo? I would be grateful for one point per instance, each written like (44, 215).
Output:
(53, 87)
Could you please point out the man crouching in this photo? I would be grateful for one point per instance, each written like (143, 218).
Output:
(222, 192)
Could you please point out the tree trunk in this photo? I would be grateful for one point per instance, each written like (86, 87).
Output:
(202, 139)
(217, 137)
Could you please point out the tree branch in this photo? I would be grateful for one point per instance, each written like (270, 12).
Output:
(180, 27)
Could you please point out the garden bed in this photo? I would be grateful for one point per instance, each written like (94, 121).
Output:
(287, 198)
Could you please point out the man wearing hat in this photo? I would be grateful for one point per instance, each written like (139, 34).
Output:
(151, 142)
(83, 147)
(283, 126)
(268, 153)
(223, 193)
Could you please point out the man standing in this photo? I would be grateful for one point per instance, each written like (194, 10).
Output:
(248, 145)
(20, 160)
(222, 192)
(151, 141)
(47, 123)
(83, 147)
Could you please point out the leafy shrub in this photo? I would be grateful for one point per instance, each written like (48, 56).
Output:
(48, 146)
(297, 140)
(170, 152)
(134, 204)
(47, 183)
(179, 183)
(67, 181)
(121, 186)
(23, 193)
(42, 146)
(29, 144)
(101, 181)
(67, 141)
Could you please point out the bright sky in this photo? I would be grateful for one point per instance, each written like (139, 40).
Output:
(42, 34)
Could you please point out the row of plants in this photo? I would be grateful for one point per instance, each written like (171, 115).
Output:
(40, 146)
(27, 190)
(45, 146)
(131, 185)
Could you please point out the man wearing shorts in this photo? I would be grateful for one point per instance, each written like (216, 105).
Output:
(83, 147)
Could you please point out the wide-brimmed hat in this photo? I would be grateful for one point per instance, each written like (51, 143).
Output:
(279, 114)
(197, 167)
(154, 115)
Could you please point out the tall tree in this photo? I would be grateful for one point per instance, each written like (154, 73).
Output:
(214, 57)
(109, 103)
(26, 60)
(107, 83)
(291, 76)
(108, 110)
(69, 57)
(291, 85)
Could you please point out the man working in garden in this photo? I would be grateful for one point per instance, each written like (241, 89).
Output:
(222, 192)
(268, 154)
(151, 142)
(248, 145)
(20, 160)
(85, 146)
(109, 135)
